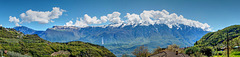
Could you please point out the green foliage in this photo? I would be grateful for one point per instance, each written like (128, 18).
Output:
(233, 53)
(141, 51)
(125, 55)
(219, 52)
(197, 51)
(206, 51)
(215, 38)
(14, 54)
(157, 50)
(19, 44)
(192, 50)
(173, 47)
(210, 43)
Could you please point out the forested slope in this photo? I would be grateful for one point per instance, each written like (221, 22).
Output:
(18, 44)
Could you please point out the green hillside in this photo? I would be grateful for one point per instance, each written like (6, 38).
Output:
(18, 44)
(214, 44)
(218, 37)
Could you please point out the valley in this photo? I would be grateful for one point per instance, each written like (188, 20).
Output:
(123, 39)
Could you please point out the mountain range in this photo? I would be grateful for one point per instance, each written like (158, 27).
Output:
(123, 38)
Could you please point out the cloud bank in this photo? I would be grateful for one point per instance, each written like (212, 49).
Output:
(42, 17)
(147, 17)
(113, 18)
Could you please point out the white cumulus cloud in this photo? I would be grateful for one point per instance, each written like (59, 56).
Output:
(79, 23)
(14, 20)
(93, 20)
(147, 17)
(88, 20)
(41, 17)
(114, 17)
(133, 18)
(163, 17)
(104, 19)
(70, 23)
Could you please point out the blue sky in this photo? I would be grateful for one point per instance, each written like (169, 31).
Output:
(216, 13)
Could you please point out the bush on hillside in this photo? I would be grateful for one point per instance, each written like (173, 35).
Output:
(192, 50)
(141, 51)
(157, 50)
(206, 51)
(173, 47)
(125, 55)
(15, 54)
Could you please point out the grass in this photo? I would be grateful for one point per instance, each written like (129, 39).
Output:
(33, 45)
(232, 54)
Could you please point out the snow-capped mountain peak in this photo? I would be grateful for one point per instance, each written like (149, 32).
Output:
(147, 17)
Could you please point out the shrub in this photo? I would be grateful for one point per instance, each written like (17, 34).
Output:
(141, 52)
(192, 50)
(206, 51)
(157, 50)
(173, 47)
(14, 54)
(125, 55)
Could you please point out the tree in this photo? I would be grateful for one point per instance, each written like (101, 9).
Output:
(236, 42)
(141, 52)
(125, 55)
(173, 47)
(157, 50)
(206, 51)
(196, 43)
(192, 50)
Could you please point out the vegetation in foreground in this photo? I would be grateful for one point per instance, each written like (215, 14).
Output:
(212, 44)
(142, 51)
(215, 43)
(14, 43)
